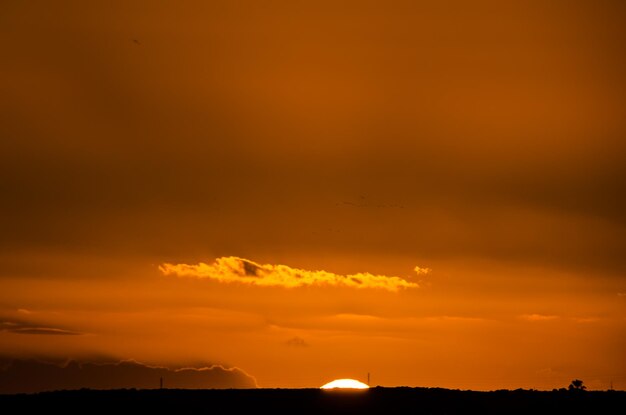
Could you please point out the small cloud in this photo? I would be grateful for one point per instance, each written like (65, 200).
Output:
(422, 271)
(233, 269)
(538, 317)
(621, 294)
(24, 311)
(297, 342)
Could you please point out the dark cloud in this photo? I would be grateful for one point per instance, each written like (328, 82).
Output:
(21, 327)
(43, 330)
(297, 342)
(250, 268)
(28, 376)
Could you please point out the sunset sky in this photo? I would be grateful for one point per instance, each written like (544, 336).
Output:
(299, 191)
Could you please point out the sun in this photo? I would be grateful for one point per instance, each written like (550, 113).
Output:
(345, 384)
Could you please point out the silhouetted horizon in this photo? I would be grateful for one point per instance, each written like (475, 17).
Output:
(39, 375)
(376, 400)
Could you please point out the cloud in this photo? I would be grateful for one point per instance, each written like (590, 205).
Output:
(537, 317)
(586, 320)
(233, 269)
(44, 330)
(19, 327)
(297, 342)
(422, 271)
(29, 376)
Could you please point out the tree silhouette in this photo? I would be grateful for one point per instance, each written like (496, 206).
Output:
(577, 385)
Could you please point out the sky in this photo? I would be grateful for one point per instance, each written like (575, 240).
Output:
(283, 193)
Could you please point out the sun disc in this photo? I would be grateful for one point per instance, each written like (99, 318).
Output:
(345, 384)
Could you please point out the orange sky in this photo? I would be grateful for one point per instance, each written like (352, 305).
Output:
(433, 192)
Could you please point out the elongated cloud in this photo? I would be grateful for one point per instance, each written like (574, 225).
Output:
(21, 327)
(538, 317)
(233, 269)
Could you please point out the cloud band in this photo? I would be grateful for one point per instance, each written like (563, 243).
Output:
(234, 269)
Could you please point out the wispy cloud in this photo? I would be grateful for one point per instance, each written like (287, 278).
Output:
(19, 327)
(538, 317)
(584, 320)
(233, 269)
(44, 330)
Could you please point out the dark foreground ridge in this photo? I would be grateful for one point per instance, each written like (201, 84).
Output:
(315, 401)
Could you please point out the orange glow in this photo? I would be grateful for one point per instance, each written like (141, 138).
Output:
(298, 190)
(345, 384)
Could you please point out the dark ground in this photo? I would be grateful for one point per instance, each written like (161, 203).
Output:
(315, 401)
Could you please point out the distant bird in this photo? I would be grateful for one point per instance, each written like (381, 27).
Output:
(136, 42)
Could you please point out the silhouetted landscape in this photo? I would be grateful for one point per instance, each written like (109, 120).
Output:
(298, 401)
(79, 387)
(30, 376)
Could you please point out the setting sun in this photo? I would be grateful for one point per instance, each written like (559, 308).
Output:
(345, 384)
